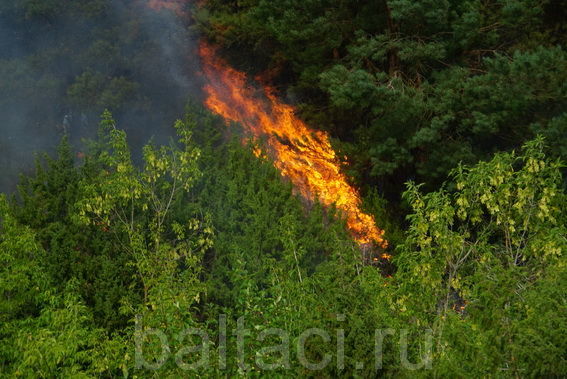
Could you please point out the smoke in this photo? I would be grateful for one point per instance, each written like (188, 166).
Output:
(62, 63)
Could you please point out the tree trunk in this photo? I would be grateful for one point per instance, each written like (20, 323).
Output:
(393, 58)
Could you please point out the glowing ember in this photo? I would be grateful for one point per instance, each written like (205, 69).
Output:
(304, 156)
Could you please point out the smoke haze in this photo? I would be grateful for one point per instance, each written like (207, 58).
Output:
(63, 63)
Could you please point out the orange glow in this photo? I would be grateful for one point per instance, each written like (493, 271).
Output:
(258, 153)
(302, 155)
(174, 5)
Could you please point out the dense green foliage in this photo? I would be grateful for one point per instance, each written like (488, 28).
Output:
(97, 257)
(193, 257)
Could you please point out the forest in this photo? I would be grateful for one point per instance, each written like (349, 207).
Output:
(283, 188)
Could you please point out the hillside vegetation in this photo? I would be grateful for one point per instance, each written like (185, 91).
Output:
(189, 255)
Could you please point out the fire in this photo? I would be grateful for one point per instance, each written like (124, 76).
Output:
(302, 155)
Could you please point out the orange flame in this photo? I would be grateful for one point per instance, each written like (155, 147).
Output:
(303, 155)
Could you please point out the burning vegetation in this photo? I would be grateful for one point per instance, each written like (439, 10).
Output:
(113, 240)
(302, 155)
